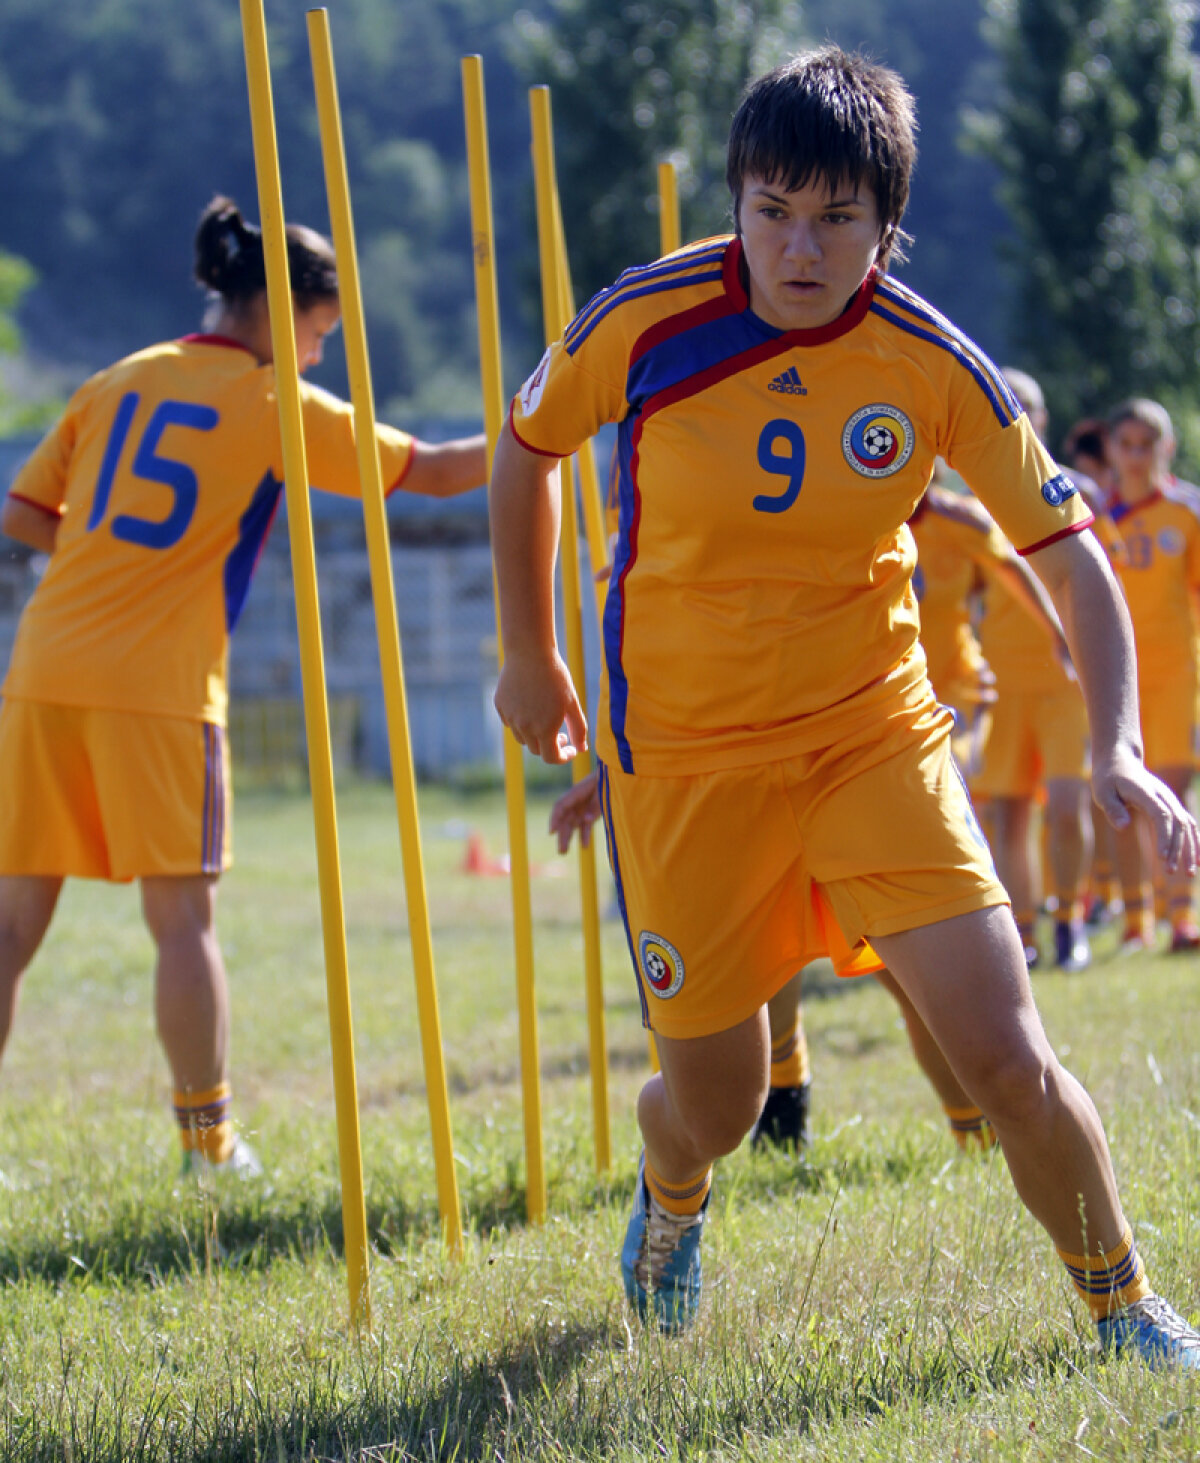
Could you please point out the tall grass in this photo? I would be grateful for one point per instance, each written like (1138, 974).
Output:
(884, 1299)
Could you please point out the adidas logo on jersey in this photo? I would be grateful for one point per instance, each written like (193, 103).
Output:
(789, 382)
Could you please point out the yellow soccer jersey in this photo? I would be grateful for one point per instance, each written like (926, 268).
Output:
(1018, 649)
(166, 470)
(1159, 569)
(955, 541)
(761, 602)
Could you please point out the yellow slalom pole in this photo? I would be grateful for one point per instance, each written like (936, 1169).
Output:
(589, 482)
(670, 232)
(312, 663)
(553, 295)
(484, 251)
(383, 592)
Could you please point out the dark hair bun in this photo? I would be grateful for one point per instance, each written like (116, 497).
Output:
(229, 252)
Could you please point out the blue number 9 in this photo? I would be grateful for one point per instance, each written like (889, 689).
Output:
(789, 465)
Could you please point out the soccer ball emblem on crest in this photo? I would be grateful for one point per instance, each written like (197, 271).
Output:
(878, 440)
(662, 965)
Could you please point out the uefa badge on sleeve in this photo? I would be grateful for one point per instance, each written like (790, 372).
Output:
(661, 965)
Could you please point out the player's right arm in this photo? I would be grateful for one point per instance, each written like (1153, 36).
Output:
(534, 696)
(29, 524)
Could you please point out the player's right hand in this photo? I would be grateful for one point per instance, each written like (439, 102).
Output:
(578, 808)
(536, 700)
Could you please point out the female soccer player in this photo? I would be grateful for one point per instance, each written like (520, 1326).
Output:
(153, 496)
(769, 741)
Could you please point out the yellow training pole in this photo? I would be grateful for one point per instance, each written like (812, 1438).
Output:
(337, 186)
(589, 482)
(484, 251)
(553, 295)
(670, 232)
(312, 663)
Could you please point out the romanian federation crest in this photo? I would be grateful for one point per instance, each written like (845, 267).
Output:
(661, 965)
(877, 440)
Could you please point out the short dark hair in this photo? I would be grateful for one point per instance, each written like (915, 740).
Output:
(229, 258)
(835, 117)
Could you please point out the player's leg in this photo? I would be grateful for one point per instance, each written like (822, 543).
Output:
(1009, 825)
(1179, 885)
(968, 1124)
(27, 904)
(783, 1120)
(967, 977)
(1069, 824)
(695, 1109)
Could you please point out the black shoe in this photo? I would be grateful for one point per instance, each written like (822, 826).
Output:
(1072, 953)
(784, 1118)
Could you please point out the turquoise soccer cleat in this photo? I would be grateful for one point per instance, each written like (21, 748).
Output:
(1153, 1329)
(660, 1260)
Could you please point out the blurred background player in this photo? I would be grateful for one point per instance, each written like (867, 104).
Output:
(1038, 748)
(1158, 523)
(153, 496)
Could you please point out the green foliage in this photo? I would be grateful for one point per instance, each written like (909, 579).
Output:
(635, 84)
(1097, 132)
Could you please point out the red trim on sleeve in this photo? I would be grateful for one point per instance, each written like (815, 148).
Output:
(405, 470)
(41, 507)
(528, 446)
(1054, 537)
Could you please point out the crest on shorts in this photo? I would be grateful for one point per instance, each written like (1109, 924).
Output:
(531, 392)
(661, 965)
(878, 440)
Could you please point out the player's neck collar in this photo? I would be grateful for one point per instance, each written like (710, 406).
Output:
(202, 338)
(736, 280)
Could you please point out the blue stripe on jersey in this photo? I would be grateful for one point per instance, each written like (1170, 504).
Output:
(901, 295)
(1003, 415)
(206, 824)
(703, 268)
(253, 527)
(614, 860)
(691, 351)
(614, 602)
(708, 254)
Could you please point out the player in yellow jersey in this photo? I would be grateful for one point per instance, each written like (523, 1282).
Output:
(1159, 566)
(153, 496)
(1039, 740)
(770, 744)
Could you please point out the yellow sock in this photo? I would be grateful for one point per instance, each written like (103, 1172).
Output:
(1108, 1282)
(205, 1122)
(789, 1057)
(685, 1198)
(970, 1128)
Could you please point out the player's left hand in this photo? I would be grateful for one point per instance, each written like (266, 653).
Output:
(1124, 786)
(577, 809)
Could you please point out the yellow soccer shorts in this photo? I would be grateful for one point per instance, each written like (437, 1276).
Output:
(730, 882)
(1035, 738)
(1168, 721)
(111, 794)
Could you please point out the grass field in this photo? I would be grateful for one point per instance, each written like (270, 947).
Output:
(883, 1300)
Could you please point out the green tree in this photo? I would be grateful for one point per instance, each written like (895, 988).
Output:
(1096, 133)
(19, 412)
(634, 84)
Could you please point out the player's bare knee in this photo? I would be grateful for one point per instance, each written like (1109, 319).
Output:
(177, 910)
(1014, 1086)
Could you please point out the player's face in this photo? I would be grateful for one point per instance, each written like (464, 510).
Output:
(1136, 454)
(312, 326)
(807, 249)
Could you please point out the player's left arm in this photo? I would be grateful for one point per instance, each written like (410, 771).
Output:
(29, 524)
(445, 469)
(1092, 609)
